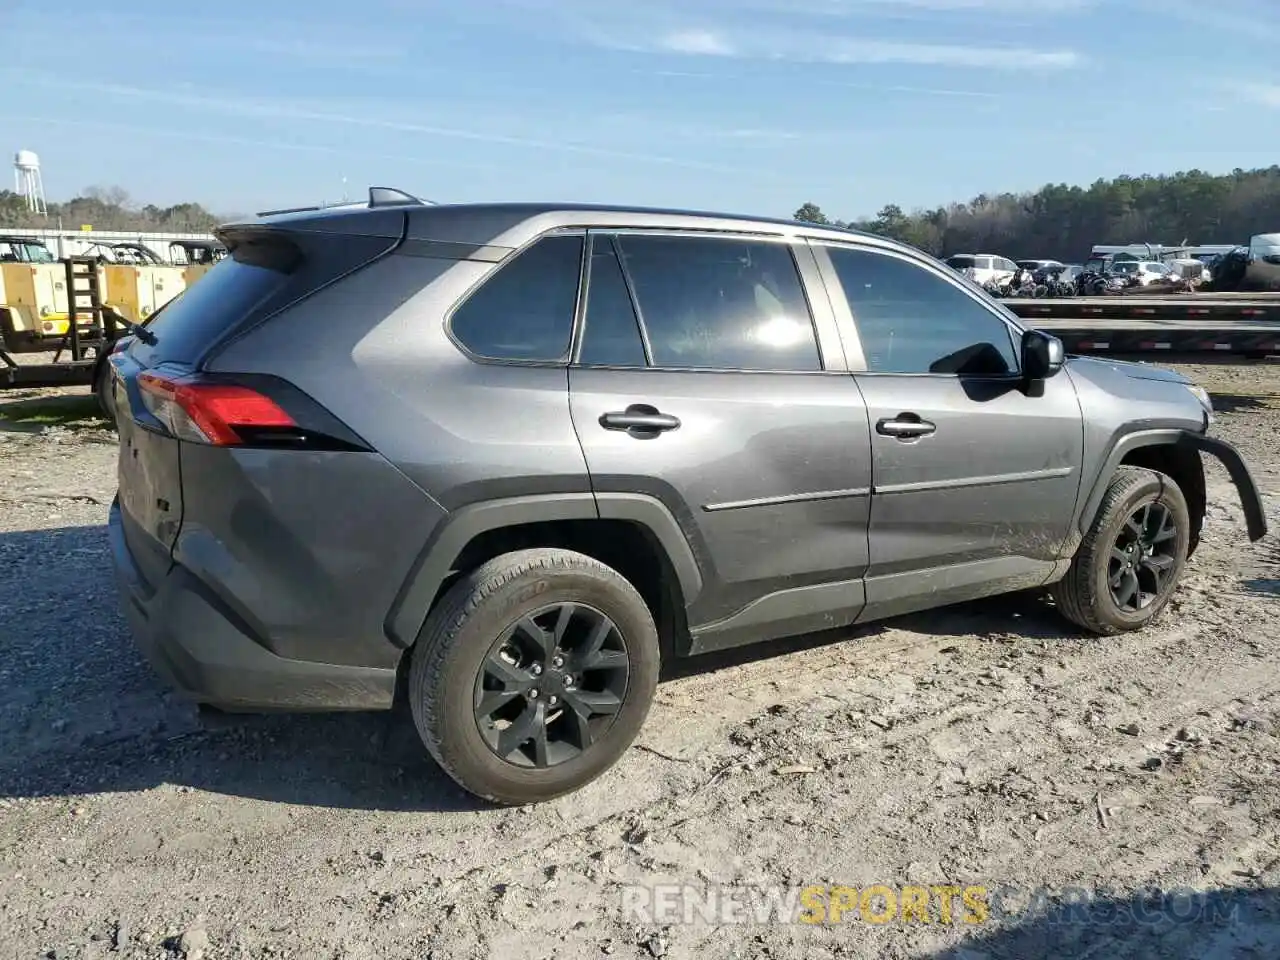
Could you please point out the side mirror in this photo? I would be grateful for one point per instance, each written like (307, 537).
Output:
(1042, 355)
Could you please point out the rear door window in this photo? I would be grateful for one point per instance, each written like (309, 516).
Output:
(611, 334)
(720, 303)
(524, 311)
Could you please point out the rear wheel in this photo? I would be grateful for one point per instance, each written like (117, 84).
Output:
(103, 392)
(1130, 560)
(533, 675)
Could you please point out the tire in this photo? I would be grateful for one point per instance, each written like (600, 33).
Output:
(1085, 596)
(102, 392)
(454, 658)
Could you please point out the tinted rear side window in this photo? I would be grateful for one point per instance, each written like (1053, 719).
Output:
(721, 303)
(525, 310)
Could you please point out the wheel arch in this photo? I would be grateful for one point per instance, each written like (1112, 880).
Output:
(634, 534)
(1162, 449)
(1183, 465)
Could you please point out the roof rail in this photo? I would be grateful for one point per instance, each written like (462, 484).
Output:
(378, 197)
(276, 213)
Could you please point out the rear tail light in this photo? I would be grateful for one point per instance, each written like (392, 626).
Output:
(220, 414)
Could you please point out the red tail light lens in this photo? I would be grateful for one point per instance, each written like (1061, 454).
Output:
(212, 413)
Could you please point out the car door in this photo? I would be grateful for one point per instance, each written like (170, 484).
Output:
(705, 380)
(974, 478)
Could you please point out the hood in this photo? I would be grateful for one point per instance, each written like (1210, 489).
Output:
(1128, 368)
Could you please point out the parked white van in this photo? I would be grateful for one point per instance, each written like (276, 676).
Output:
(985, 266)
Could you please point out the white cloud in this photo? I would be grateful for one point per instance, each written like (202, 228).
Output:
(802, 31)
(247, 107)
(881, 8)
(946, 55)
(807, 47)
(705, 43)
(1256, 20)
(1263, 94)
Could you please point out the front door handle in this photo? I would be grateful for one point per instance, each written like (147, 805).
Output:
(905, 426)
(639, 420)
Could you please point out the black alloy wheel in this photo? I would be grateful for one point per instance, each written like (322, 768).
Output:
(551, 685)
(1142, 557)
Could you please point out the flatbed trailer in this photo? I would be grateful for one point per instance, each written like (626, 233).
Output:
(58, 373)
(1246, 324)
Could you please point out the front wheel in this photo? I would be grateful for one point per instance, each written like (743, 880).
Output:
(533, 675)
(1130, 560)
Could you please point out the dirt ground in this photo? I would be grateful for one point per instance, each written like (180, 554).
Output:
(987, 745)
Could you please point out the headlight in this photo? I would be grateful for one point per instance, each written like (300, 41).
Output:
(1201, 394)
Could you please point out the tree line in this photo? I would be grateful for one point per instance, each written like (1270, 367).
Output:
(107, 208)
(1057, 220)
(1063, 222)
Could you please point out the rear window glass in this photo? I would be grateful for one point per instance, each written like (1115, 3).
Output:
(960, 263)
(260, 276)
(194, 320)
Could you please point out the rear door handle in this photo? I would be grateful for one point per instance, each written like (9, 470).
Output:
(905, 426)
(640, 420)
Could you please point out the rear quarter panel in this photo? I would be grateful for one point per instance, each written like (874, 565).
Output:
(307, 550)
(374, 351)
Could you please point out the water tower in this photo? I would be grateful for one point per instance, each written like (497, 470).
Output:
(26, 174)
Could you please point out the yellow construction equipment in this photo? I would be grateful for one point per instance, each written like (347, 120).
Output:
(35, 310)
(137, 292)
(33, 304)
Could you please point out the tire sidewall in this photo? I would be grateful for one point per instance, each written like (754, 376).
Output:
(1151, 490)
(456, 732)
(102, 391)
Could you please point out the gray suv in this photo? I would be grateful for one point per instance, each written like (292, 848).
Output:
(519, 455)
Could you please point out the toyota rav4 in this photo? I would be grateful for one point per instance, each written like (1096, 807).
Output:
(520, 455)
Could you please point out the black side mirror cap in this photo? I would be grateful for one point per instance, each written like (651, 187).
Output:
(1042, 355)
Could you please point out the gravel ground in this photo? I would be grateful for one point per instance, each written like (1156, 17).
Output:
(986, 745)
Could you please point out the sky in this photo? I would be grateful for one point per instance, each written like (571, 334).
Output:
(753, 106)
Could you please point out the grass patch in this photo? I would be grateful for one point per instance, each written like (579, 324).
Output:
(82, 411)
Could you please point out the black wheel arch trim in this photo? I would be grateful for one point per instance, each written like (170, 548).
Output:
(1120, 446)
(409, 611)
(1228, 455)
(1255, 512)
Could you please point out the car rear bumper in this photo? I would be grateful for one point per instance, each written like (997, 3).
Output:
(196, 645)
